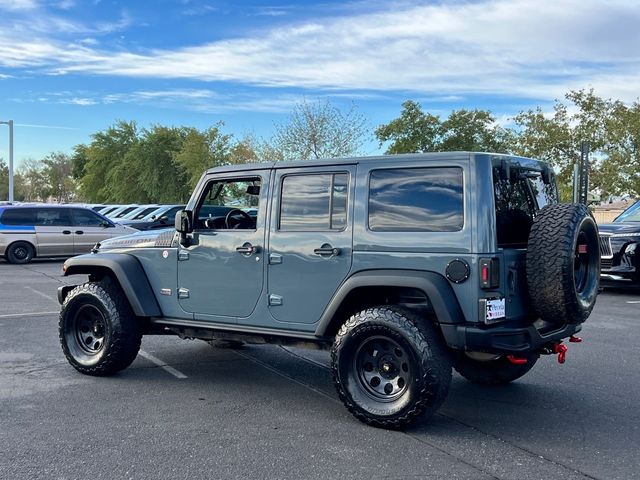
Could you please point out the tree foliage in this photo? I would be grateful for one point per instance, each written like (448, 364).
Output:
(317, 130)
(418, 131)
(124, 164)
(160, 164)
(611, 128)
(58, 182)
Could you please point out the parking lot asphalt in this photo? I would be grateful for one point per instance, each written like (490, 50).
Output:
(187, 410)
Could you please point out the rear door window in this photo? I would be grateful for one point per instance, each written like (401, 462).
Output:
(314, 202)
(416, 200)
(53, 217)
(517, 201)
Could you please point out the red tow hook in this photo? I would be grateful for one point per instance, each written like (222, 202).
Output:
(561, 350)
(574, 339)
(516, 360)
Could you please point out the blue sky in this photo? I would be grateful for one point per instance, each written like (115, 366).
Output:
(69, 68)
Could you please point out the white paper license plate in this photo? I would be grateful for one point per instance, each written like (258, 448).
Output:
(495, 309)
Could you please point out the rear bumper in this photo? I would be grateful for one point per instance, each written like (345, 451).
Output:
(503, 339)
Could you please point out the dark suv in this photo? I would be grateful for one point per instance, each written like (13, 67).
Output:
(620, 250)
(403, 266)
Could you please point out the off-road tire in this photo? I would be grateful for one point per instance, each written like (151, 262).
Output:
(424, 360)
(498, 371)
(563, 283)
(99, 333)
(20, 252)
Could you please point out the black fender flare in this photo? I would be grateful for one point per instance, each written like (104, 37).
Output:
(126, 269)
(437, 289)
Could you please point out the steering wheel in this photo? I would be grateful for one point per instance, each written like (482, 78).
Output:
(236, 211)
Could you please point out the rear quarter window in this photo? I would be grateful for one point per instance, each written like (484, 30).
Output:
(24, 217)
(416, 200)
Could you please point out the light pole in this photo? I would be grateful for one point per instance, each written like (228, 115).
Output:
(10, 123)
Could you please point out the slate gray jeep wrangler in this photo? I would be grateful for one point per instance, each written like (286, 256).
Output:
(404, 266)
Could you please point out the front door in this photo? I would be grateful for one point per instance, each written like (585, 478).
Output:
(221, 269)
(310, 242)
(89, 228)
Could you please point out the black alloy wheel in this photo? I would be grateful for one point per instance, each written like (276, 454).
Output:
(383, 367)
(88, 329)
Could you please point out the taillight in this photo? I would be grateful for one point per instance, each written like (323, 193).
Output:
(489, 273)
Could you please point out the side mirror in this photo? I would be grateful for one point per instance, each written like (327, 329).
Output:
(184, 225)
(106, 224)
(184, 222)
(164, 219)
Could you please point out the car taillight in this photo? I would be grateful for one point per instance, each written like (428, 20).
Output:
(489, 273)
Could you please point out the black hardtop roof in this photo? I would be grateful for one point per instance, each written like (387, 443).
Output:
(406, 157)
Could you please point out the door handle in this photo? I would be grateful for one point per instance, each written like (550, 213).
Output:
(79, 232)
(66, 232)
(327, 250)
(247, 249)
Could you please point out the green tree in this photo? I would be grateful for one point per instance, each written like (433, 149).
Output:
(201, 150)
(56, 172)
(79, 161)
(414, 131)
(4, 180)
(611, 127)
(159, 177)
(33, 184)
(317, 130)
(418, 131)
(105, 157)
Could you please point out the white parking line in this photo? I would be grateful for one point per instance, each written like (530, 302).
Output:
(633, 301)
(44, 295)
(32, 314)
(163, 365)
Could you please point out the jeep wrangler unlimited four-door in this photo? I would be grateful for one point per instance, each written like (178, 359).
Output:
(404, 266)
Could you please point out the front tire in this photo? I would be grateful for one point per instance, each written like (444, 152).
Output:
(390, 367)
(98, 330)
(486, 369)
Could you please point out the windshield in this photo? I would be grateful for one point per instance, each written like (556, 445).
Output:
(631, 214)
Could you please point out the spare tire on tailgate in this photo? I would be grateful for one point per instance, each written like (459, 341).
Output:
(563, 263)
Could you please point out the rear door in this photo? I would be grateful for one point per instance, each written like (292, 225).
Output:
(310, 242)
(54, 231)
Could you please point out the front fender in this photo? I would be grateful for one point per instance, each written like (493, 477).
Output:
(126, 269)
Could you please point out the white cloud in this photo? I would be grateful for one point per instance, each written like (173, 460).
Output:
(528, 48)
(17, 5)
(84, 102)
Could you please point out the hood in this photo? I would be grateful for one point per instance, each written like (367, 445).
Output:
(619, 228)
(145, 239)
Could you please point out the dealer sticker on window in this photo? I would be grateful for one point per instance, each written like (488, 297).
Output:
(495, 309)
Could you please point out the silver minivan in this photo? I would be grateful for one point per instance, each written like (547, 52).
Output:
(27, 231)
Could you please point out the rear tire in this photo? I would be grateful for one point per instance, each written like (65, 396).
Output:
(492, 370)
(20, 252)
(99, 333)
(390, 367)
(563, 263)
